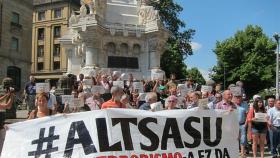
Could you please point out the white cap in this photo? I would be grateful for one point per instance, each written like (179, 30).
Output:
(256, 96)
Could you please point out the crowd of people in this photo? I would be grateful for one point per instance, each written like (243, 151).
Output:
(259, 120)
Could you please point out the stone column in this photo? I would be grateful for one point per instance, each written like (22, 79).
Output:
(91, 56)
(69, 52)
(154, 56)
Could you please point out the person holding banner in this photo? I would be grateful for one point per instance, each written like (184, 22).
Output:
(258, 122)
(41, 109)
(6, 102)
(115, 101)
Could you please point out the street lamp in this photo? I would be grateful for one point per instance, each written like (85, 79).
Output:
(276, 36)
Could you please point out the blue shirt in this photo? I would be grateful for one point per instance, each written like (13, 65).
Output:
(241, 114)
(245, 106)
(274, 116)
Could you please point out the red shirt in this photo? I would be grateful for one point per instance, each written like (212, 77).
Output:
(112, 104)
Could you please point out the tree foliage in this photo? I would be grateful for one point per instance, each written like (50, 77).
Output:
(172, 60)
(248, 56)
(195, 74)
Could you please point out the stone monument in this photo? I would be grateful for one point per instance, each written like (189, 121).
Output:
(119, 35)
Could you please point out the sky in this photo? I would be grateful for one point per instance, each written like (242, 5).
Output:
(217, 20)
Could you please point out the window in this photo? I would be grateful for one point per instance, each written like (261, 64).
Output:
(56, 31)
(57, 13)
(14, 44)
(41, 33)
(56, 65)
(14, 73)
(56, 50)
(40, 52)
(41, 15)
(15, 18)
(123, 62)
(40, 66)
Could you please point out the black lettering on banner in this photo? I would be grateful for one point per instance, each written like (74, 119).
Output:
(190, 155)
(207, 131)
(84, 139)
(194, 133)
(128, 144)
(171, 123)
(218, 153)
(49, 140)
(145, 131)
(102, 133)
(226, 154)
(200, 153)
(208, 152)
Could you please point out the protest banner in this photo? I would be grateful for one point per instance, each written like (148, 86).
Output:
(42, 87)
(118, 84)
(119, 133)
(66, 98)
(97, 89)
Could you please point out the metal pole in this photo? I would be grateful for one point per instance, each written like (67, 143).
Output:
(276, 36)
(224, 77)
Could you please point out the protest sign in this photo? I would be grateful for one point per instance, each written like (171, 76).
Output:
(206, 88)
(118, 84)
(139, 86)
(156, 106)
(97, 89)
(157, 75)
(42, 87)
(87, 82)
(183, 90)
(142, 96)
(119, 133)
(66, 99)
(236, 91)
(76, 102)
(261, 117)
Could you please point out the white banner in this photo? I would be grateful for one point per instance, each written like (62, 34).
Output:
(119, 133)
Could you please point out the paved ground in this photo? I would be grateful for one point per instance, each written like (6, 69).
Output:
(22, 115)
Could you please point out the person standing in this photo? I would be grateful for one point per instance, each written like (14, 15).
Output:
(30, 93)
(274, 124)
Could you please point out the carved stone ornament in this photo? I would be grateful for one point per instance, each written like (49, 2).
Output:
(73, 19)
(153, 44)
(83, 9)
(147, 14)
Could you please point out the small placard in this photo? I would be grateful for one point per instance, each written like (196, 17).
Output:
(42, 87)
(105, 71)
(183, 89)
(261, 117)
(156, 106)
(76, 102)
(67, 98)
(142, 96)
(138, 86)
(118, 83)
(87, 82)
(236, 91)
(205, 88)
(157, 75)
(98, 89)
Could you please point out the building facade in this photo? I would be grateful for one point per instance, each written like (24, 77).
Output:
(122, 35)
(50, 22)
(15, 40)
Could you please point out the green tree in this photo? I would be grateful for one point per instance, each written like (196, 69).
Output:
(248, 56)
(195, 74)
(172, 60)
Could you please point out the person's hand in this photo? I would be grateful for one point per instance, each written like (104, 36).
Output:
(254, 119)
